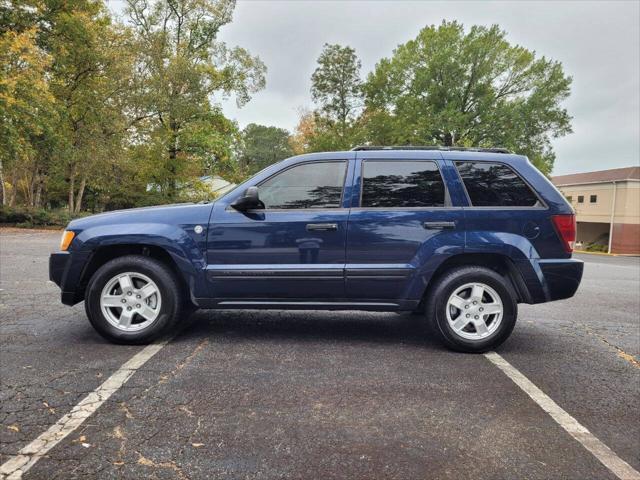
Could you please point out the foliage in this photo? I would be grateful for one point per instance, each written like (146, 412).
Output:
(336, 88)
(35, 217)
(261, 146)
(597, 247)
(181, 66)
(336, 84)
(26, 112)
(97, 113)
(448, 87)
(94, 111)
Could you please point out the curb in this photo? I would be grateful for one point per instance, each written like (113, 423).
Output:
(597, 253)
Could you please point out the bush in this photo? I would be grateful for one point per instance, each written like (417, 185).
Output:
(35, 217)
(597, 247)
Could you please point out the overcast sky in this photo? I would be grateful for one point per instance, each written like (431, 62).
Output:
(598, 44)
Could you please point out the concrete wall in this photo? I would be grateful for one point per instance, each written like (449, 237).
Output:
(594, 218)
(626, 238)
(627, 201)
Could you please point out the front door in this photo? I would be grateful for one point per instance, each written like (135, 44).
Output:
(402, 216)
(294, 248)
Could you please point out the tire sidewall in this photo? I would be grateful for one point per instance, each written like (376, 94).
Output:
(453, 281)
(152, 269)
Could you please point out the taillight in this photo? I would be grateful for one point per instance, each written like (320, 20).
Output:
(566, 228)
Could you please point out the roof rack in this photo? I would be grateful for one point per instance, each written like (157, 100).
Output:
(361, 148)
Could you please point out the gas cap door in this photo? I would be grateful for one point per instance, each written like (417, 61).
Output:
(531, 230)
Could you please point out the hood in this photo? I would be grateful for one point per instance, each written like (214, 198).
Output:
(175, 214)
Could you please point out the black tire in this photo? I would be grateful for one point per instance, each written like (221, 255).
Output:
(169, 311)
(446, 285)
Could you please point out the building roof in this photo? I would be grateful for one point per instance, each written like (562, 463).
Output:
(601, 176)
(217, 184)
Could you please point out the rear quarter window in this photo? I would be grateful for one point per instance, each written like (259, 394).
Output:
(495, 185)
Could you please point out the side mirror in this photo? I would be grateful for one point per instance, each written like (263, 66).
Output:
(248, 201)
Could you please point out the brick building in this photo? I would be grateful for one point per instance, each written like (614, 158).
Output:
(607, 205)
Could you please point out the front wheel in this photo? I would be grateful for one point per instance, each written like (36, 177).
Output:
(132, 299)
(472, 309)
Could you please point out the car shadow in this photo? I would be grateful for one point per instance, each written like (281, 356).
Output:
(308, 326)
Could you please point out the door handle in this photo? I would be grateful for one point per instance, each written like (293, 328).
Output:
(322, 227)
(438, 225)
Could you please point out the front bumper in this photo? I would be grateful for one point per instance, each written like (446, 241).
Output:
(58, 263)
(59, 271)
(561, 277)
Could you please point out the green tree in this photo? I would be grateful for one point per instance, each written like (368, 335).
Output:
(182, 68)
(261, 146)
(88, 74)
(448, 87)
(337, 88)
(91, 80)
(26, 114)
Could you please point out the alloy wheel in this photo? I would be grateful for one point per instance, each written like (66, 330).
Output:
(474, 311)
(130, 301)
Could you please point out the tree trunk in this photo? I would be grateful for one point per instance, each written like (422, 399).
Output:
(31, 190)
(448, 139)
(12, 197)
(72, 188)
(4, 190)
(173, 156)
(39, 190)
(80, 194)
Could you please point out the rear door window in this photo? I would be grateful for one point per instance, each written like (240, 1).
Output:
(495, 185)
(399, 183)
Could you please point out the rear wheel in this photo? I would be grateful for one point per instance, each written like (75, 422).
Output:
(133, 299)
(472, 309)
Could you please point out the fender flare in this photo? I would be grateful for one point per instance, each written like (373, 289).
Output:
(182, 249)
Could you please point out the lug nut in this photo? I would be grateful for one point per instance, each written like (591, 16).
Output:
(481, 309)
(138, 296)
(468, 315)
(137, 305)
(129, 293)
(475, 303)
(129, 309)
(123, 301)
(476, 317)
(466, 306)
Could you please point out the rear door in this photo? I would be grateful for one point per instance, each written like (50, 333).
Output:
(401, 215)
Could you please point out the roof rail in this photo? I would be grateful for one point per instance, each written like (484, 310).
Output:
(361, 148)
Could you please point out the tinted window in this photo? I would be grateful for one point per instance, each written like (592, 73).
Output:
(495, 185)
(401, 184)
(310, 185)
(593, 198)
(580, 198)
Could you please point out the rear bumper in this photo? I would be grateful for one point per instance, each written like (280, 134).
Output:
(561, 277)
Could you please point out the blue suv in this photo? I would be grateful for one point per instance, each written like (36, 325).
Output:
(459, 236)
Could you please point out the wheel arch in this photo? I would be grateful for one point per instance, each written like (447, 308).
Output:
(105, 253)
(497, 262)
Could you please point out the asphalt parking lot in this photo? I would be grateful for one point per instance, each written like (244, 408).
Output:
(319, 395)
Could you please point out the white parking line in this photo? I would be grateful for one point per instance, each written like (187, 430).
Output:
(609, 459)
(17, 465)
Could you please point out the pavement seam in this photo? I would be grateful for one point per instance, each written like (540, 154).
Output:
(18, 464)
(598, 449)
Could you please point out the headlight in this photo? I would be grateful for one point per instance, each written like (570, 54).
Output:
(65, 241)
